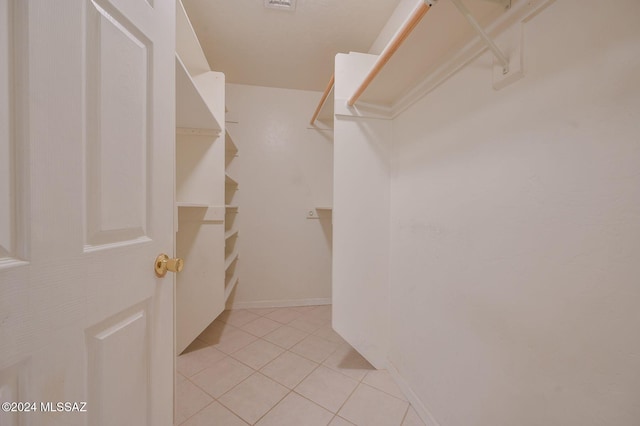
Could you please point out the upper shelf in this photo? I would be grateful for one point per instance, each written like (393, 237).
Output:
(192, 112)
(187, 44)
(434, 40)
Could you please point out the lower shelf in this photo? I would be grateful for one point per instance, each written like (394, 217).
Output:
(230, 259)
(230, 286)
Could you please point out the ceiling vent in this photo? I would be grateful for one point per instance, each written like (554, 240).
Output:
(280, 4)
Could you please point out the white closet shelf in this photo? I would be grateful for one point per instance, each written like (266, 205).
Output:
(432, 43)
(228, 180)
(230, 145)
(324, 208)
(196, 132)
(231, 209)
(196, 205)
(230, 259)
(192, 112)
(230, 234)
(230, 286)
(188, 45)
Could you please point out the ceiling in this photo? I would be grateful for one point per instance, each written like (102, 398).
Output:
(295, 50)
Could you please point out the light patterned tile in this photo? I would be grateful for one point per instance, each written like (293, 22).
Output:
(284, 315)
(189, 399)
(316, 318)
(214, 331)
(257, 354)
(305, 309)
(261, 311)
(324, 309)
(412, 418)
(315, 348)
(226, 338)
(348, 361)
(285, 336)
(261, 326)
(214, 415)
(319, 315)
(222, 376)
(289, 369)
(198, 356)
(382, 380)
(252, 398)
(295, 410)
(237, 317)
(339, 421)
(327, 332)
(327, 388)
(303, 325)
(371, 407)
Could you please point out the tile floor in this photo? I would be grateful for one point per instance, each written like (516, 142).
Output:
(283, 367)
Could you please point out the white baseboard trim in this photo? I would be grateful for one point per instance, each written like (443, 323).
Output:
(416, 403)
(280, 303)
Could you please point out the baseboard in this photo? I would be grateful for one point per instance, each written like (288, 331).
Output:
(280, 303)
(416, 403)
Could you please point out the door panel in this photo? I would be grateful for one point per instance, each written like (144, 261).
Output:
(90, 112)
(116, 396)
(118, 95)
(12, 231)
(6, 146)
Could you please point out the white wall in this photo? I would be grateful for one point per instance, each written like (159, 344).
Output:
(284, 169)
(361, 208)
(515, 231)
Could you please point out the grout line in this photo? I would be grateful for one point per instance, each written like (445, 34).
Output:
(341, 418)
(405, 415)
(274, 405)
(315, 403)
(229, 408)
(385, 392)
(348, 398)
(188, 418)
(307, 375)
(301, 380)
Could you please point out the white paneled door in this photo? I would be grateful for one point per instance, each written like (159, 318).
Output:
(86, 205)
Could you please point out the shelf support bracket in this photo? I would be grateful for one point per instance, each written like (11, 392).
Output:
(502, 59)
(505, 3)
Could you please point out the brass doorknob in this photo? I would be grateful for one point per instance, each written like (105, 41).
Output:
(164, 263)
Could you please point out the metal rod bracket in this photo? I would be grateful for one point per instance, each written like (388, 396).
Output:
(505, 3)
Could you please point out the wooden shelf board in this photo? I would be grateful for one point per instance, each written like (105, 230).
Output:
(230, 286)
(188, 45)
(192, 112)
(230, 259)
(197, 132)
(228, 180)
(230, 234)
(230, 145)
(187, 204)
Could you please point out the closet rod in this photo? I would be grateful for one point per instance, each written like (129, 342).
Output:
(323, 99)
(392, 46)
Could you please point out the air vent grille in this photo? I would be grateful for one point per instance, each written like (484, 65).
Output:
(280, 4)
